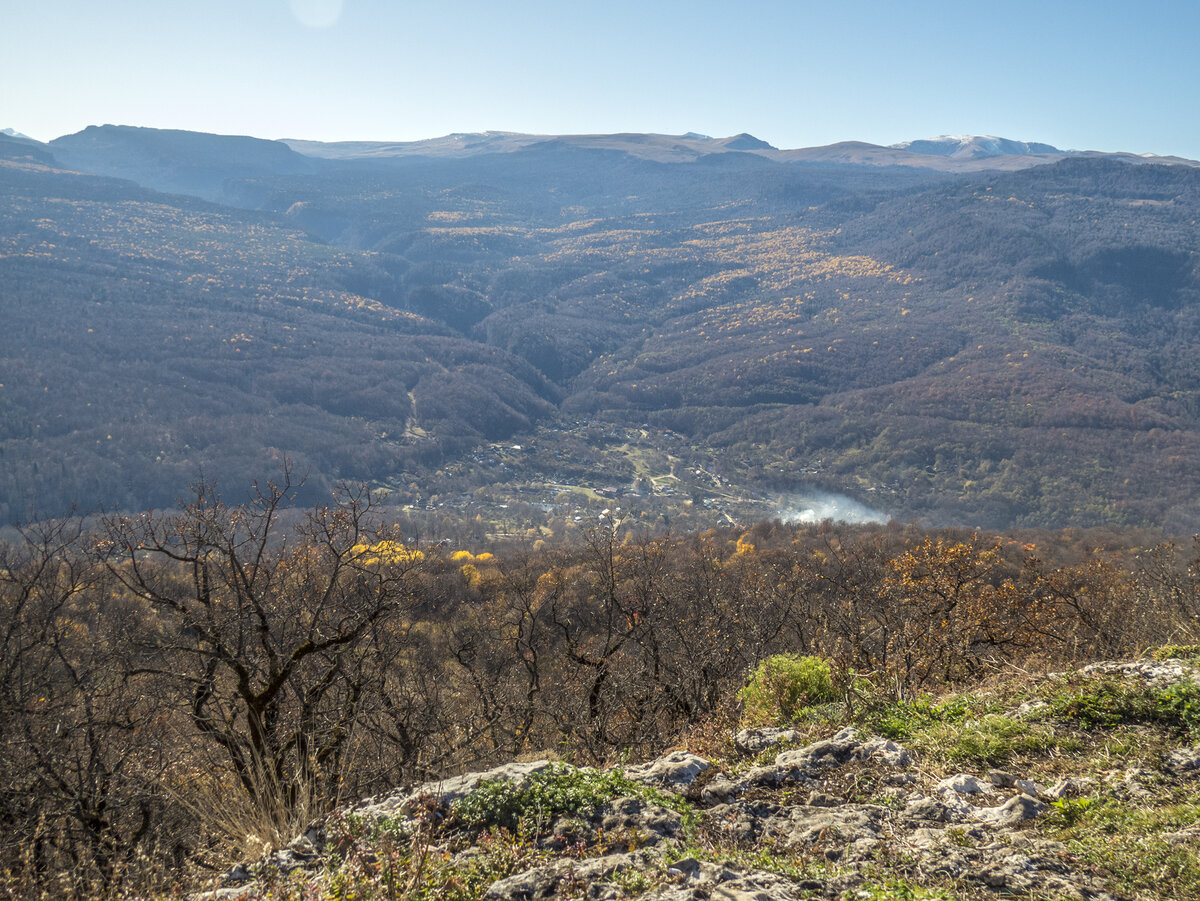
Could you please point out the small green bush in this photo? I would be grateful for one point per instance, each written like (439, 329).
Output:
(542, 797)
(1070, 812)
(1181, 706)
(782, 687)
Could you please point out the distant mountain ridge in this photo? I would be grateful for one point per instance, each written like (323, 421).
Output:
(973, 339)
(205, 165)
(971, 147)
(659, 147)
(186, 162)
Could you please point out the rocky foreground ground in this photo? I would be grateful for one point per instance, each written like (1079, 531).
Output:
(1079, 785)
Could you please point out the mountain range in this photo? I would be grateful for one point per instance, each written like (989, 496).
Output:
(963, 329)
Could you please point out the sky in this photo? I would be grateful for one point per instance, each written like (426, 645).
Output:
(1094, 75)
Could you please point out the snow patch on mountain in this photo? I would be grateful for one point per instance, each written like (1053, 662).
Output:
(972, 147)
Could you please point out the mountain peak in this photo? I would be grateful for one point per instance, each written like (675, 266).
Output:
(745, 141)
(972, 147)
(13, 133)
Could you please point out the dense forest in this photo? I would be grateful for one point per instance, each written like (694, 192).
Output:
(695, 336)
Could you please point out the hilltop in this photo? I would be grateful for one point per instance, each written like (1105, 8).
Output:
(805, 711)
(1012, 790)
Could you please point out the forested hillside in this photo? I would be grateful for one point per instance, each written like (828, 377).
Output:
(187, 689)
(709, 334)
(152, 340)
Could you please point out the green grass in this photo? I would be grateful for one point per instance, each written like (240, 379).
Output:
(1126, 840)
(959, 730)
(1107, 703)
(992, 740)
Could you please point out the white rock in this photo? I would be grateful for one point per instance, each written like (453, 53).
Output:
(1184, 760)
(677, 769)
(1070, 787)
(887, 751)
(963, 784)
(1015, 809)
(755, 741)
(445, 791)
(1029, 787)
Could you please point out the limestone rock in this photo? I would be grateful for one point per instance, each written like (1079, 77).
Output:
(931, 810)
(700, 881)
(963, 784)
(1155, 673)
(444, 791)
(844, 747)
(1184, 760)
(1029, 787)
(886, 750)
(651, 822)
(676, 770)
(544, 881)
(718, 791)
(1015, 809)
(1070, 787)
(830, 752)
(232, 893)
(755, 741)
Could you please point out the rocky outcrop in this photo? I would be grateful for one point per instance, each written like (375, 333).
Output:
(786, 820)
(443, 791)
(963, 827)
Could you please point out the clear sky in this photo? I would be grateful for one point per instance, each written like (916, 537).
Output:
(1093, 75)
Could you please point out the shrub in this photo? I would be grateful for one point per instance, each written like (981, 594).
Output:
(542, 797)
(782, 687)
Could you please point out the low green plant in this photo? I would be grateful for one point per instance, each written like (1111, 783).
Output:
(991, 740)
(957, 835)
(1109, 703)
(1182, 703)
(1132, 843)
(783, 687)
(1072, 811)
(903, 719)
(542, 797)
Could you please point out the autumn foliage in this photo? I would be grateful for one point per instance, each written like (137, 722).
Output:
(259, 665)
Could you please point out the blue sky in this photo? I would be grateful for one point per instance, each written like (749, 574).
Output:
(1082, 75)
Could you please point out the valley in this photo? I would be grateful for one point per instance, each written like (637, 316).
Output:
(698, 327)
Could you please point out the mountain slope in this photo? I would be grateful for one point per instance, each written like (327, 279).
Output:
(151, 341)
(180, 162)
(987, 348)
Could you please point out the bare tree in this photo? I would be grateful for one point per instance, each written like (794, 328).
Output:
(78, 764)
(265, 632)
